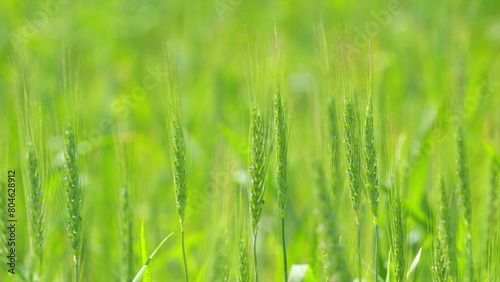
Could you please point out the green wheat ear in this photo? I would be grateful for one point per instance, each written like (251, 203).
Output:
(242, 232)
(180, 181)
(446, 266)
(334, 265)
(352, 154)
(463, 179)
(258, 154)
(492, 242)
(464, 194)
(258, 168)
(127, 235)
(371, 164)
(73, 196)
(371, 174)
(243, 273)
(180, 178)
(36, 206)
(351, 140)
(281, 132)
(398, 236)
(281, 135)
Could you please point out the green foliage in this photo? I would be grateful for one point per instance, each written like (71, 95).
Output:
(144, 269)
(113, 54)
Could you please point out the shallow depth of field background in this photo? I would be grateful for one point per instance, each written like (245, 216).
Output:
(426, 55)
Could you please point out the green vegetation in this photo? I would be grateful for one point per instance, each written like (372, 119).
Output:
(274, 140)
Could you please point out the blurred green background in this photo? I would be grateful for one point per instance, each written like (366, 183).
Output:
(426, 55)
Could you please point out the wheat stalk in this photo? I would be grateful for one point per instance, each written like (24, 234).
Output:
(127, 236)
(243, 273)
(334, 265)
(463, 190)
(180, 180)
(335, 140)
(172, 105)
(439, 267)
(353, 168)
(124, 151)
(491, 242)
(258, 169)
(398, 237)
(447, 268)
(371, 174)
(35, 207)
(73, 197)
(281, 139)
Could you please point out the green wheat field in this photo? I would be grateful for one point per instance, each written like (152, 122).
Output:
(234, 140)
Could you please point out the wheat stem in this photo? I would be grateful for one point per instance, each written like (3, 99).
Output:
(358, 228)
(77, 272)
(255, 258)
(376, 252)
(184, 256)
(285, 268)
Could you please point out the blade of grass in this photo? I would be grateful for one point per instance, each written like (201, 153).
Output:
(414, 264)
(144, 268)
(144, 256)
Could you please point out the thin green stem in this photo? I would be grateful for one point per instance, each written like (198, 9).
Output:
(255, 257)
(184, 256)
(77, 274)
(469, 243)
(285, 266)
(376, 252)
(359, 250)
